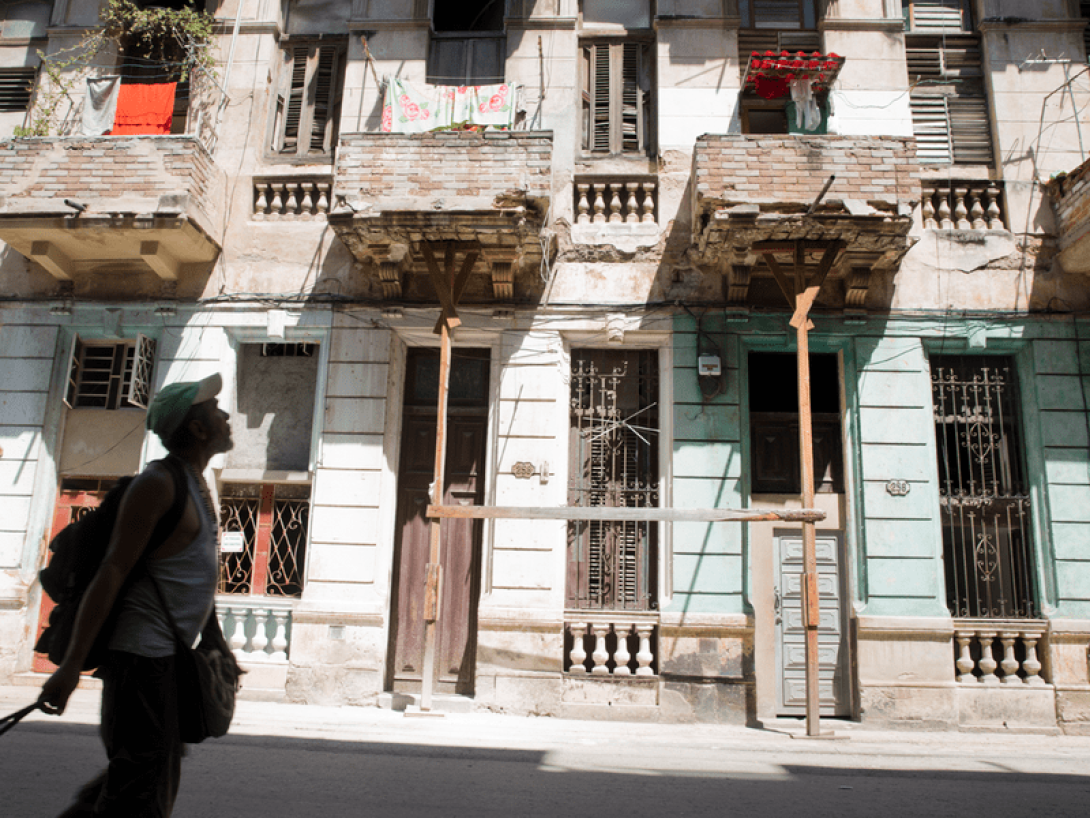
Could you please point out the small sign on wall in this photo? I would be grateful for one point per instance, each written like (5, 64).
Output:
(232, 542)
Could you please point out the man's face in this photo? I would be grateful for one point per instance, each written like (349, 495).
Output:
(217, 426)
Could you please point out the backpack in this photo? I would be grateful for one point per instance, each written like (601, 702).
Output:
(78, 551)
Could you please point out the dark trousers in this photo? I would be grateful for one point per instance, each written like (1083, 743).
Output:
(140, 731)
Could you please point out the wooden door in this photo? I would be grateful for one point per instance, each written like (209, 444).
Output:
(833, 685)
(75, 499)
(456, 629)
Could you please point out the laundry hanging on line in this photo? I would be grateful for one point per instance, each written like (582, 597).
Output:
(411, 108)
(144, 109)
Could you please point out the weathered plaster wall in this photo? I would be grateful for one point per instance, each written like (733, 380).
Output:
(274, 411)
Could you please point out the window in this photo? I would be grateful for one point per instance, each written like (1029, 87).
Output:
(468, 44)
(625, 13)
(777, 116)
(949, 104)
(774, 423)
(985, 503)
(264, 538)
(616, 77)
(614, 462)
(778, 14)
(1084, 11)
(24, 20)
(16, 87)
(308, 105)
(110, 374)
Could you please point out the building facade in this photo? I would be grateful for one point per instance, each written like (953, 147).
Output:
(621, 204)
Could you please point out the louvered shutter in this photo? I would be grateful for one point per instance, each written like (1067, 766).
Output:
(616, 95)
(931, 125)
(16, 85)
(310, 103)
(937, 16)
(777, 14)
(949, 105)
(293, 105)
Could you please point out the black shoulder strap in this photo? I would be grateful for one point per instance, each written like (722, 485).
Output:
(169, 521)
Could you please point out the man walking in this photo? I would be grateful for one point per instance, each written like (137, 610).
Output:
(139, 694)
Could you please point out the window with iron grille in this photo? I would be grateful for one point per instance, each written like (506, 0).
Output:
(308, 104)
(949, 104)
(984, 497)
(617, 82)
(110, 374)
(264, 538)
(613, 462)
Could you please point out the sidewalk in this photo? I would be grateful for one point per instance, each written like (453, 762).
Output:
(852, 744)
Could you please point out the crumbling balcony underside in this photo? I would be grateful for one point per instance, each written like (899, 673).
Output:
(392, 247)
(736, 243)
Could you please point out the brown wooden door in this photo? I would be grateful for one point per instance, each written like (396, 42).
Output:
(456, 630)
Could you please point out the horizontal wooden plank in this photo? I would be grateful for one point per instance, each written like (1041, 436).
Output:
(605, 513)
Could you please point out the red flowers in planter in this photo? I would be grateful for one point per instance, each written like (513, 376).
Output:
(769, 74)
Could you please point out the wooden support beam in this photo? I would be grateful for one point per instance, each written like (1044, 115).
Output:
(443, 290)
(781, 278)
(53, 259)
(625, 514)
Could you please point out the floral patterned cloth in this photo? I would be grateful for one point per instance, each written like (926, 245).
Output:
(409, 108)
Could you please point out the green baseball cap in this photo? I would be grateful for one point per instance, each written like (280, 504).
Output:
(173, 402)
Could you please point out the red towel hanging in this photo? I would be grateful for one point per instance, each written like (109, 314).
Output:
(144, 109)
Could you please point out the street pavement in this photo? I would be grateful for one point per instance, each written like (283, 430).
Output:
(307, 760)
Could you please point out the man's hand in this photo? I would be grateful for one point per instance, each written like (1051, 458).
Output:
(58, 688)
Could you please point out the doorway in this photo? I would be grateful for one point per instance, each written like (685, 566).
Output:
(467, 428)
(776, 482)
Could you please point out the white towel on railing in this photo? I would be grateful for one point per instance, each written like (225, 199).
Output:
(100, 104)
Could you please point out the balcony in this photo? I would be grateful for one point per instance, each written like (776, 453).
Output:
(401, 199)
(756, 213)
(150, 205)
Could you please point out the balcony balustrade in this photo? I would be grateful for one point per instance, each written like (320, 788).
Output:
(994, 652)
(604, 644)
(257, 629)
(292, 197)
(963, 205)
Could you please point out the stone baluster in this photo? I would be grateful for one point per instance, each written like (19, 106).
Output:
(977, 210)
(632, 207)
(236, 635)
(1031, 664)
(988, 664)
(995, 217)
(1009, 663)
(961, 213)
(277, 206)
(965, 660)
(291, 206)
(583, 206)
(644, 656)
(261, 634)
(615, 204)
(307, 205)
(600, 655)
(578, 653)
(621, 656)
(262, 203)
(280, 637)
(323, 197)
(945, 222)
(599, 204)
(929, 209)
(648, 202)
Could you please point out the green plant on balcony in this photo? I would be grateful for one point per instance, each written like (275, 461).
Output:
(179, 38)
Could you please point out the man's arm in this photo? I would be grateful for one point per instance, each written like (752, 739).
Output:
(148, 498)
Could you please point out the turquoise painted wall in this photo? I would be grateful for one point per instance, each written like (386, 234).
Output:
(708, 566)
(896, 541)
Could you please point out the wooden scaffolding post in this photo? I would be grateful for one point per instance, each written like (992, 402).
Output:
(801, 294)
(449, 291)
